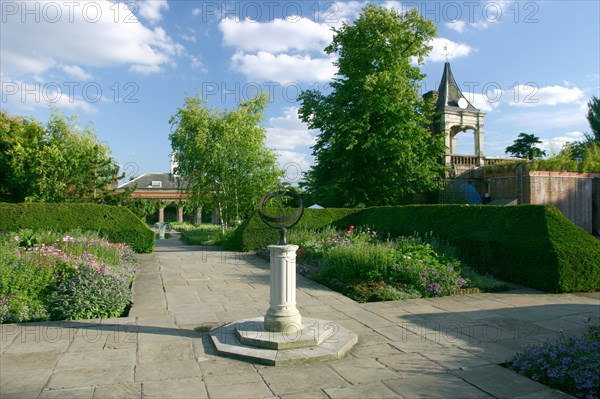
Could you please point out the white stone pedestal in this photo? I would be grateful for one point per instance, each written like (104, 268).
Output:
(280, 338)
(283, 314)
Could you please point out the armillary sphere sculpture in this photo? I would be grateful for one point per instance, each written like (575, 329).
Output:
(282, 221)
(282, 335)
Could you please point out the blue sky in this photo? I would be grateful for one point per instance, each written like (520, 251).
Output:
(531, 65)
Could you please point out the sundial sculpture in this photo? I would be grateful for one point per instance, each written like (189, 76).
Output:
(281, 222)
(282, 336)
(282, 313)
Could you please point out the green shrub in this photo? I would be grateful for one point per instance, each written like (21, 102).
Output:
(311, 242)
(183, 226)
(206, 234)
(427, 271)
(358, 264)
(89, 295)
(33, 278)
(18, 309)
(532, 245)
(355, 263)
(21, 287)
(25, 275)
(116, 224)
(254, 234)
(373, 291)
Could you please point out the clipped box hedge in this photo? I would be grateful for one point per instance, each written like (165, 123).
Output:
(254, 234)
(532, 245)
(115, 223)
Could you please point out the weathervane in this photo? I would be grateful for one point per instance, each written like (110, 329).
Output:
(446, 53)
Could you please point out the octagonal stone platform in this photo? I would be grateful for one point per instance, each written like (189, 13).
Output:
(316, 340)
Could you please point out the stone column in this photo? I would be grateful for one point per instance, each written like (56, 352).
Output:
(161, 214)
(283, 314)
(180, 214)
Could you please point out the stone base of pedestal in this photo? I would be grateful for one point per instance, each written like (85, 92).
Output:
(283, 323)
(315, 340)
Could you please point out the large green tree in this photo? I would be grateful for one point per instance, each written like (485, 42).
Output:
(525, 146)
(593, 117)
(222, 155)
(374, 147)
(61, 162)
(581, 149)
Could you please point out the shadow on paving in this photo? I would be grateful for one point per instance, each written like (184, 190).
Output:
(128, 329)
(452, 338)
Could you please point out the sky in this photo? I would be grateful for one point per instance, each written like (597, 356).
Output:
(127, 66)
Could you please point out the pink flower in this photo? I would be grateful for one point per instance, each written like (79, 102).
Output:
(351, 228)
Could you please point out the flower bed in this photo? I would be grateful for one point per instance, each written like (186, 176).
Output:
(47, 276)
(364, 267)
(569, 364)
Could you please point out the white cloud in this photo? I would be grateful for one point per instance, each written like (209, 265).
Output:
(283, 68)
(555, 144)
(453, 49)
(276, 36)
(337, 12)
(151, 9)
(532, 95)
(189, 38)
(196, 11)
(291, 139)
(493, 12)
(479, 25)
(106, 34)
(295, 164)
(485, 102)
(196, 63)
(280, 51)
(458, 26)
(76, 72)
(287, 132)
(26, 96)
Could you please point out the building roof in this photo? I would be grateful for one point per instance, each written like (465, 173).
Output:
(156, 181)
(449, 93)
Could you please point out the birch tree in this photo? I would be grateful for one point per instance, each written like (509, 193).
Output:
(223, 157)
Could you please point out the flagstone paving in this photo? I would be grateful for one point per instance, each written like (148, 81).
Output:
(448, 347)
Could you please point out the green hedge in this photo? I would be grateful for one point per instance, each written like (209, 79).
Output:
(254, 234)
(532, 245)
(115, 223)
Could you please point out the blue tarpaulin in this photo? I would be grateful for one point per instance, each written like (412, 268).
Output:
(471, 193)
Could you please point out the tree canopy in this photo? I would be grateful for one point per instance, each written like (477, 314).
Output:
(525, 147)
(374, 145)
(61, 162)
(593, 117)
(222, 155)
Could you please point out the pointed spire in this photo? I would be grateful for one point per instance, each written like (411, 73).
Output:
(449, 93)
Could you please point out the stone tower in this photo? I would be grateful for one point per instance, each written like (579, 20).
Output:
(455, 114)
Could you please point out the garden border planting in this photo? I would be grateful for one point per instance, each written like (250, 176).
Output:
(115, 223)
(532, 245)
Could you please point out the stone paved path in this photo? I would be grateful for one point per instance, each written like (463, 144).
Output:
(428, 348)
